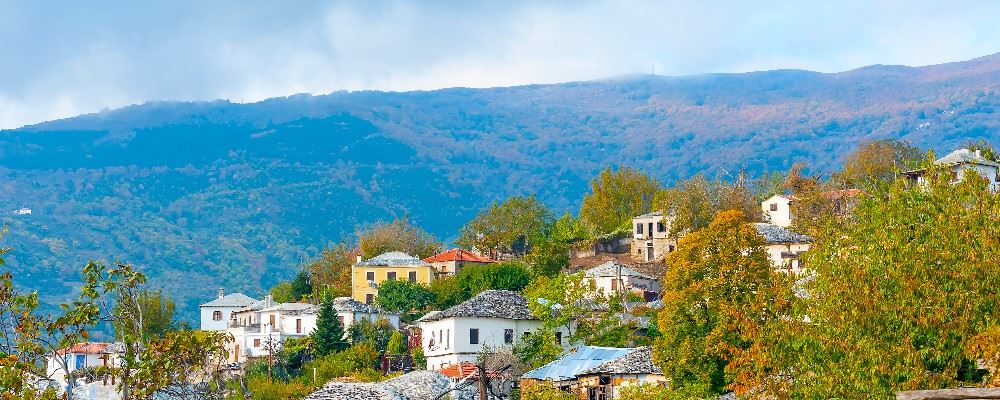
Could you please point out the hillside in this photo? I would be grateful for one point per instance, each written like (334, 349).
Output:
(215, 194)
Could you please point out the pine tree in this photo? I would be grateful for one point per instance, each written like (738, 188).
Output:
(329, 334)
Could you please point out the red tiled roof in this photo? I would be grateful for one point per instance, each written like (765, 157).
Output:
(458, 255)
(85, 348)
(459, 371)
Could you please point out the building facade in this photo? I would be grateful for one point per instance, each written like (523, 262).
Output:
(784, 247)
(215, 315)
(961, 162)
(451, 262)
(366, 276)
(651, 239)
(593, 372)
(613, 277)
(778, 210)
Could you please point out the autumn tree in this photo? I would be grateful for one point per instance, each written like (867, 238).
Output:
(505, 228)
(694, 202)
(330, 274)
(874, 165)
(398, 235)
(617, 195)
(718, 293)
(901, 294)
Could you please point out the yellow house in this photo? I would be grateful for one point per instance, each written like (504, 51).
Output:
(366, 276)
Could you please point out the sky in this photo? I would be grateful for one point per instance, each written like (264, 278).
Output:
(60, 59)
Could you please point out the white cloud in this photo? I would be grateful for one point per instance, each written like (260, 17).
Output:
(62, 60)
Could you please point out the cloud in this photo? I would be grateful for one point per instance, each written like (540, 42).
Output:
(66, 59)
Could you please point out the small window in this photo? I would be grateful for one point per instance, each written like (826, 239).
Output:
(256, 343)
(559, 338)
(473, 336)
(412, 276)
(614, 284)
(508, 336)
(370, 275)
(369, 298)
(272, 320)
(661, 227)
(216, 315)
(298, 325)
(390, 276)
(341, 319)
(638, 229)
(774, 206)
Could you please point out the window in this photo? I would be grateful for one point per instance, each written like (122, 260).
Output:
(390, 276)
(661, 227)
(774, 206)
(272, 320)
(447, 339)
(412, 275)
(614, 284)
(256, 343)
(370, 275)
(473, 336)
(216, 315)
(369, 298)
(508, 336)
(298, 325)
(341, 319)
(559, 338)
(638, 229)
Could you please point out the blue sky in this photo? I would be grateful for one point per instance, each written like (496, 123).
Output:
(59, 59)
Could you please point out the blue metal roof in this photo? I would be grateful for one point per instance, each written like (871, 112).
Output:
(572, 364)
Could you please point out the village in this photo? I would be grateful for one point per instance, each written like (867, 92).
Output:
(465, 349)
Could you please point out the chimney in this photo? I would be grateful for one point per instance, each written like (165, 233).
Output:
(979, 153)
(359, 260)
(222, 292)
(267, 301)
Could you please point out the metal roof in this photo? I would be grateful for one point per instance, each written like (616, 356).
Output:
(231, 300)
(392, 258)
(576, 362)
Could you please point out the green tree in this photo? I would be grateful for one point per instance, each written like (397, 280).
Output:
(375, 333)
(693, 203)
(281, 292)
(397, 344)
(330, 274)
(409, 299)
(328, 337)
(510, 275)
(874, 165)
(900, 294)
(447, 292)
(718, 291)
(615, 197)
(505, 228)
(398, 235)
(157, 313)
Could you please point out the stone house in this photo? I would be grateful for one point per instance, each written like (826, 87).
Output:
(613, 277)
(597, 373)
(651, 237)
(959, 163)
(783, 246)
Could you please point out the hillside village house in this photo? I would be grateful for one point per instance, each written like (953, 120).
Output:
(452, 261)
(598, 373)
(215, 315)
(783, 246)
(493, 318)
(651, 237)
(80, 356)
(778, 210)
(367, 275)
(613, 277)
(960, 162)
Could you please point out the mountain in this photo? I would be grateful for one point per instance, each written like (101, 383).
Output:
(210, 194)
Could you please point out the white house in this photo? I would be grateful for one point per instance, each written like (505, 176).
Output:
(350, 310)
(783, 246)
(215, 315)
(963, 161)
(778, 210)
(80, 356)
(613, 277)
(493, 318)
(651, 237)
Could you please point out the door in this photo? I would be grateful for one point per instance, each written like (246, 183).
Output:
(649, 253)
(236, 353)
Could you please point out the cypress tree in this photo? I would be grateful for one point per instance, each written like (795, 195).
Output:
(329, 334)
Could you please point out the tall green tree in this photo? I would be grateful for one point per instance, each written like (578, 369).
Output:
(157, 313)
(328, 337)
(617, 195)
(718, 292)
(505, 228)
(409, 299)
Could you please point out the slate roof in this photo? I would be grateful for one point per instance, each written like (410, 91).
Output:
(610, 269)
(416, 385)
(639, 361)
(965, 156)
(347, 304)
(231, 300)
(488, 304)
(392, 258)
(650, 215)
(774, 234)
(458, 255)
(291, 307)
(574, 363)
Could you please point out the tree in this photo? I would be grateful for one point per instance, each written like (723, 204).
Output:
(329, 334)
(874, 165)
(505, 228)
(983, 147)
(615, 197)
(693, 203)
(397, 344)
(331, 273)
(398, 235)
(718, 291)
(562, 301)
(901, 293)
(183, 365)
(374, 333)
(511, 275)
(157, 313)
(409, 299)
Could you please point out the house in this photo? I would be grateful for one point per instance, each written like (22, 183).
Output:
(778, 210)
(592, 372)
(452, 261)
(783, 246)
(960, 162)
(651, 237)
(215, 315)
(367, 275)
(80, 356)
(350, 310)
(493, 318)
(614, 277)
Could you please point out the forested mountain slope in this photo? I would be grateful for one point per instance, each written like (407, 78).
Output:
(211, 194)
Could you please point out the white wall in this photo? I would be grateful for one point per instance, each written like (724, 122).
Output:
(632, 283)
(208, 324)
(54, 370)
(774, 253)
(783, 215)
(451, 337)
